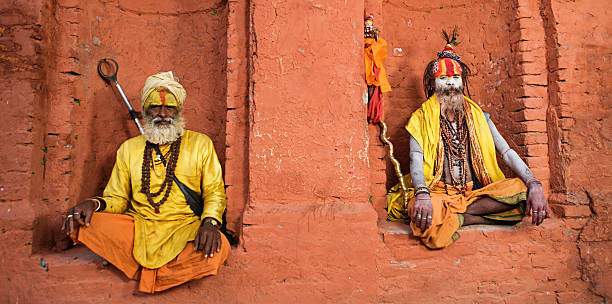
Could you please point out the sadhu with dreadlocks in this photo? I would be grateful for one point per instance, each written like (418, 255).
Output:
(455, 178)
(143, 223)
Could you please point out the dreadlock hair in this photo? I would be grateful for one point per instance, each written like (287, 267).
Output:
(429, 81)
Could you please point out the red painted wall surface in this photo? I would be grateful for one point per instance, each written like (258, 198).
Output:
(278, 86)
(22, 71)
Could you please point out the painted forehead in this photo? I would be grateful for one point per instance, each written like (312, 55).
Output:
(161, 97)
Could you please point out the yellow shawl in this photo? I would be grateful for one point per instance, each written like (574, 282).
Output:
(424, 126)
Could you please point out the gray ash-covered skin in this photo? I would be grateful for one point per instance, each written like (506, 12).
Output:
(509, 156)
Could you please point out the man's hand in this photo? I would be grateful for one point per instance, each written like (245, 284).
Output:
(79, 215)
(422, 212)
(208, 239)
(537, 203)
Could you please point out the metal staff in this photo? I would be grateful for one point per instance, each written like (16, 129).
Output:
(112, 79)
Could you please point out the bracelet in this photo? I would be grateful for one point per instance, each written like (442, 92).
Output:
(533, 180)
(98, 204)
(101, 204)
(211, 221)
(422, 189)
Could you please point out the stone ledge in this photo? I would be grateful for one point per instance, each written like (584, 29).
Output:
(387, 227)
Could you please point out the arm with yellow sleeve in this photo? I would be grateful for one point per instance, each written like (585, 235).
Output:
(118, 190)
(213, 188)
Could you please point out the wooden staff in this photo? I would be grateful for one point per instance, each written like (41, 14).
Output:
(396, 164)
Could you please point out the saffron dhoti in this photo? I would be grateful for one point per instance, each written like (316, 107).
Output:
(111, 236)
(447, 209)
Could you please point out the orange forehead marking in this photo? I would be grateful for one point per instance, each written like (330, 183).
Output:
(162, 96)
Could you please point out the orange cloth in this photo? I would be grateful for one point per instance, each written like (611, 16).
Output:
(111, 236)
(375, 54)
(446, 208)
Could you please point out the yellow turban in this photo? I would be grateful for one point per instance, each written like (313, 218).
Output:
(158, 83)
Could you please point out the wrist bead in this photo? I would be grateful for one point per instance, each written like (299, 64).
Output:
(420, 190)
(532, 181)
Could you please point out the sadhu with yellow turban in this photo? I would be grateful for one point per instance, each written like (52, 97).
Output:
(454, 177)
(142, 223)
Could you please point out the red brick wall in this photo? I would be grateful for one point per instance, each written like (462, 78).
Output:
(579, 128)
(413, 31)
(237, 132)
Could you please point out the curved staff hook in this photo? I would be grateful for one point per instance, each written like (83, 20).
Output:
(112, 79)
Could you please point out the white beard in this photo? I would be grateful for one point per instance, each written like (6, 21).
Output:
(451, 101)
(163, 134)
(450, 104)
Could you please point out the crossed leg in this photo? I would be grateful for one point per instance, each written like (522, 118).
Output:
(483, 206)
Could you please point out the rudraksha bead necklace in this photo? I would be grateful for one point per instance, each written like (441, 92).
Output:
(455, 150)
(148, 165)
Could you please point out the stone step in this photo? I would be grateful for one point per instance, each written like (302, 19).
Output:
(504, 264)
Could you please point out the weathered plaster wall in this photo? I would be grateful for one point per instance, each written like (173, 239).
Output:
(286, 79)
(308, 211)
(22, 69)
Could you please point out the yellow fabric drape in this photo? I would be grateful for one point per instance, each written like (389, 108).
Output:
(424, 126)
(376, 54)
(160, 237)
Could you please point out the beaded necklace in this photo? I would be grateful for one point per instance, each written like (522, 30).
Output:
(148, 164)
(455, 139)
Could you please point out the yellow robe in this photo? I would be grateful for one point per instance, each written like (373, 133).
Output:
(160, 237)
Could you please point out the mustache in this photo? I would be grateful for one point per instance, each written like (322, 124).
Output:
(157, 120)
(450, 90)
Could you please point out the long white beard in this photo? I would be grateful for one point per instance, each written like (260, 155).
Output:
(451, 101)
(163, 134)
